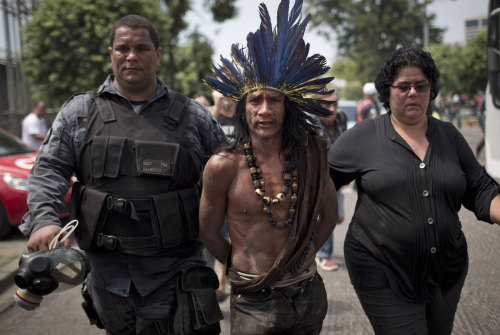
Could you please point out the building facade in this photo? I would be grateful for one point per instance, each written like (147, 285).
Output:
(474, 25)
(14, 95)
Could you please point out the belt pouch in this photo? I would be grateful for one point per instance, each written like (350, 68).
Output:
(91, 215)
(175, 217)
(167, 220)
(197, 310)
(190, 207)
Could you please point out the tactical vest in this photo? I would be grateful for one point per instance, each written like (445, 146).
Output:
(138, 175)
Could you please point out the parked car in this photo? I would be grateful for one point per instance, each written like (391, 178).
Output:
(349, 107)
(16, 160)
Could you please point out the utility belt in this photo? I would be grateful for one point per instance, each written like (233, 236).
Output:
(173, 217)
(197, 311)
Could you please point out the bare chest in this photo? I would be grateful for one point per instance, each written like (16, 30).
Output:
(244, 199)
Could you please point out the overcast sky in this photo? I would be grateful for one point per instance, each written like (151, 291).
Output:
(450, 14)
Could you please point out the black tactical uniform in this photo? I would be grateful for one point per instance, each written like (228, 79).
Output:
(137, 199)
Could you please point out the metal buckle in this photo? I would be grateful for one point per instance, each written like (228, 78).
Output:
(107, 241)
(121, 206)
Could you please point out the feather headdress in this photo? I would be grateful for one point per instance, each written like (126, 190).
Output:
(276, 60)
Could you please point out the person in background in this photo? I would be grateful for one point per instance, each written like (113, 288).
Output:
(481, 117)
(34, 127)
(271, 182)
(455, 110)
(405, 250)
(433, 111)
(367, 106)
(204, 98)
(137, 149)
(331, 128)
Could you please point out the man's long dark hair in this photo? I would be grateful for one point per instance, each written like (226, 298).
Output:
(295, 128)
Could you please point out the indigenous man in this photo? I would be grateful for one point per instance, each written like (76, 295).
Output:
(271, 182)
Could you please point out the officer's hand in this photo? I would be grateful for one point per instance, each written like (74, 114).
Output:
(41, 238)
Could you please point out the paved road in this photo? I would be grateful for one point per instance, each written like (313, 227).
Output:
(478, 312)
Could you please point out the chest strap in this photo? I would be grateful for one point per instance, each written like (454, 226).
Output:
(175, 112)
(105, 109)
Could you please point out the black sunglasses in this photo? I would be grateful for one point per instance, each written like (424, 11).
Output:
(420, 88)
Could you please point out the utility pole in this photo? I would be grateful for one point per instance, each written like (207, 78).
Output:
(8, 60)
(426, 27)
(22, 93)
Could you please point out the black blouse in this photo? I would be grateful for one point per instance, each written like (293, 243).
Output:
(405, 226)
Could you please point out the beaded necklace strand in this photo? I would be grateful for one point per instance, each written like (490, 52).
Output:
(289, 182)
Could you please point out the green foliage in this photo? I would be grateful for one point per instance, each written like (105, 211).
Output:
(346, 69)
(449, 61)
(368, 30)
(463, 69)
(475, 75)
(353, 90)
(194, 64)
(221, 9)
(66, 43)
(176, 10)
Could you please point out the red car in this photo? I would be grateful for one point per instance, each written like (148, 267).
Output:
(16, 160)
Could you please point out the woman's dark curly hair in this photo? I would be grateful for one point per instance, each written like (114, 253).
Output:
(400, 58)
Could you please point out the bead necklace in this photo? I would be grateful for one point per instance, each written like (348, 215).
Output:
(289, 182)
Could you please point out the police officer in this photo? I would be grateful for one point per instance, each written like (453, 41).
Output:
(137, 149)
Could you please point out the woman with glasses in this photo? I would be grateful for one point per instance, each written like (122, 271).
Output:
(405, 250)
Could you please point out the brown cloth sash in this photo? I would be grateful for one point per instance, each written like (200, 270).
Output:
(302, 230)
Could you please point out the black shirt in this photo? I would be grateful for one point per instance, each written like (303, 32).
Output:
(405, 226)
(227, 125)
(331, 133)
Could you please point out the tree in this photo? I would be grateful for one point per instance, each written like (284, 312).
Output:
(66, 42)
(368, 30)
(463, 69)
(449, 61)
(221, 9)
(347, 83)
(195, 59)
(475, 74)
(176, 10)
(176, 67)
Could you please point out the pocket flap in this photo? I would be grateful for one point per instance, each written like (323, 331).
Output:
(89, 215)
(205, 303)
(198, 277)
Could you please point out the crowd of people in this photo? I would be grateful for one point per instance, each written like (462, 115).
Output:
(252, 173)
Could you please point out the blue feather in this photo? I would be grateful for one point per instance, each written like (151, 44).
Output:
(276, 58)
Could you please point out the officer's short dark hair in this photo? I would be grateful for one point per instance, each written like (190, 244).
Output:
(135, 22)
